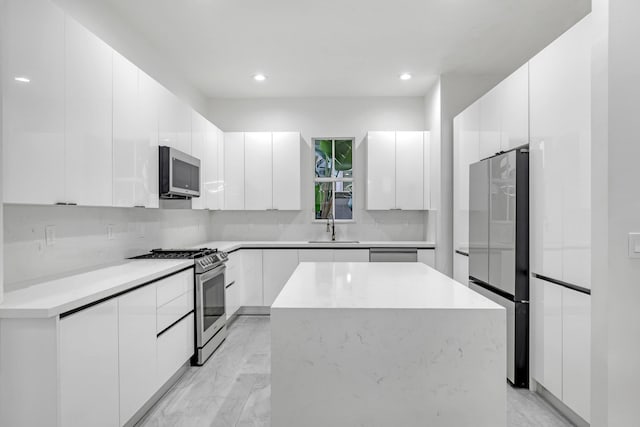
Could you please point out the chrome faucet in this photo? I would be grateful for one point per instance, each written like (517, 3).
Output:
(331, 225)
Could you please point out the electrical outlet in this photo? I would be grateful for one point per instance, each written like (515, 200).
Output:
(110, 232)
(50, 235)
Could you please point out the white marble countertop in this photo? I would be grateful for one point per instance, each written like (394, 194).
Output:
(229, 246)
(51, 298)
(376, 286)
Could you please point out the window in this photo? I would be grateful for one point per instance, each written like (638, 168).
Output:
(333, 178)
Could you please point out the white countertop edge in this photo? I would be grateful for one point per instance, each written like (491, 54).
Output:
(37, 311)
(230, 246)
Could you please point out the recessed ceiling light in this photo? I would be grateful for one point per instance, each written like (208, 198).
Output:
(22, 79)
(405, 76)
(259, 77)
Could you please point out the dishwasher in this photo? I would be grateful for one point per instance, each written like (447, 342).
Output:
(393, 255)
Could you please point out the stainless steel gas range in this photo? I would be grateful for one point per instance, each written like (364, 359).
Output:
(210, 316)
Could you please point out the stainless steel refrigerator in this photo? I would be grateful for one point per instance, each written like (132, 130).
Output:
(499, 247)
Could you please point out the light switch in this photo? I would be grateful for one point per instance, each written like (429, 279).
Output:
(634, 245)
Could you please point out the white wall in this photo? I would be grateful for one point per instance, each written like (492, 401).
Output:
(616, 212)
(2, 4)
(81, 240)
(320, 117)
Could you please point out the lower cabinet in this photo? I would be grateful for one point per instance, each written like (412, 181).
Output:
(562, 344)
(460, 268)
(315, 255)
(233, 294)
(175, 346)
(252, 278)
(136, 349)
(89, 367)
(427, 256)
(278, 265)
(351, 255)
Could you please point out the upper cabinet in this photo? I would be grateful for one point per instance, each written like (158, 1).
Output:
(174, 124)
(199, 150)
(560, 80)
(88, 117)
(33, 102)
(397, 171)
(504, 114)
(262, 171)
(214, 172)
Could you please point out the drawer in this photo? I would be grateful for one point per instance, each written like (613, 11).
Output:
(173, 286)
(175, 346)
(174, 310)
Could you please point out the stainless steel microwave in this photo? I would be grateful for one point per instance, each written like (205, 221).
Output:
(179, 174)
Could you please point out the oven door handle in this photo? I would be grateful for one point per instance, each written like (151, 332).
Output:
(210, 274)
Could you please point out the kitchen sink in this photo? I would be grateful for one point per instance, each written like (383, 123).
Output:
(331, 242)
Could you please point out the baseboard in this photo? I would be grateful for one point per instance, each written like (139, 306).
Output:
(560, 406)
(254, 311)
(142, 412)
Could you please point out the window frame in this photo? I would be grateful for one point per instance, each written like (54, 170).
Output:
(333, 179)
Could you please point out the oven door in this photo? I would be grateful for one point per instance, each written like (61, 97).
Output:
(210, 315)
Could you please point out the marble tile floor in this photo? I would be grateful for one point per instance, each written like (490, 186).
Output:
(233, 388)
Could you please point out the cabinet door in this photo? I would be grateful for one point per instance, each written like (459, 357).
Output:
(174, 124)
(198, 150)
(561, 141)
(576, 352)
(286, 171)
(211, 181)
(351, 255)
(221, 174)
(89, 367)
(258, 172)
(514, 109)
(428, 164)
(278, 265)
(409, 170)
(127, 134)
(88, 117)
(147, 153)
(547, 342)
(174, 347)
(33, 112)
(381, 171)
(234, 171)
(252, 278)
(315, 255)
(137, 349)
(490, 113)
(427, 256)
(233, 291)
(460, 269)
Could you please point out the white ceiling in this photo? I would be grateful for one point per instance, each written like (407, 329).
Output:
(343, 47)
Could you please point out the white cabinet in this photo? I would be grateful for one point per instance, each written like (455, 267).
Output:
(174, 122)
(427, 256)
(88, 117)
(89, 367)
(258, 171)
(136, 349)
(560, 109)
(174, 348)
(514, 109)
(278, 265)
(547, 342)
(286, 171)
(33, 112)
(461, 268)
(351, 255)
(576, 352)
(199, 150)
(381, 170)
(410, 170)
(213, 183)
(252, 278)
(135, 136)
(562, 344)
(233, 286)
(315, 255)
(234, 184)
(489, 114)
(397, 165)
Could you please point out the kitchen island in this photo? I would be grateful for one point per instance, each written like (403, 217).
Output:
(383, 344)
